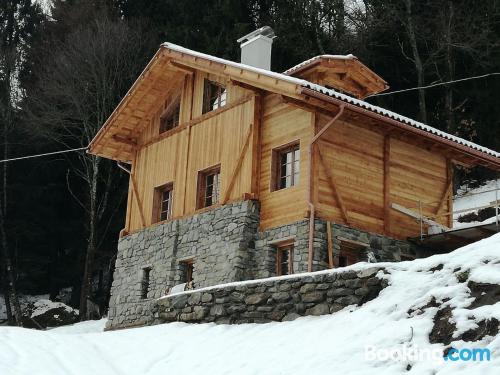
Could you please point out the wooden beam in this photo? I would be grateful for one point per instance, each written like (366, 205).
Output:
(330, 243)
(308, 106)
(333, 186)
(121, 139)
(417, 216)
(179, 67)
(256, 144)
(237, 167)
(446, 191)
(138, 200)
(246, 86)
(387, 185)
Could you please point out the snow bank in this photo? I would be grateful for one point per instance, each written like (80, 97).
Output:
(469, 199)
(311, 345)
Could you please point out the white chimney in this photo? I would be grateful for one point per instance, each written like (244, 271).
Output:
(256, 48)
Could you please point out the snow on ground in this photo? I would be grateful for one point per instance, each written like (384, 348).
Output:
(331, 344)
(24, 300)
(471, 198)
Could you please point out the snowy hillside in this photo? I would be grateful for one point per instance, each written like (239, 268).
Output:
(482, 196)
(402, 317)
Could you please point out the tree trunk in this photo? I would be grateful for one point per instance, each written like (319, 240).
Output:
(450, 70)
(9, 271)
(6, 296)
(11, 280)
(91, 244)
(417, 61)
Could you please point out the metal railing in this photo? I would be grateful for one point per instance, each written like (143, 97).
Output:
(421, 206)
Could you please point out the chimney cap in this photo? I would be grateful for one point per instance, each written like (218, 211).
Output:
(264, 31)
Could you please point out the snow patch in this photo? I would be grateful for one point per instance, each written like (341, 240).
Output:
(310, 345)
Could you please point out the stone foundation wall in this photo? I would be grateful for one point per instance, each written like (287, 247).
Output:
(225, 245)
(380, 249)
(221, 242)
(276, 299)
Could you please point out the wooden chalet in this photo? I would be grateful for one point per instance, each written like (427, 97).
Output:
(198, 132)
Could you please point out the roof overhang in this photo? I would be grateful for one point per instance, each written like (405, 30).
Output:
(118, 138)
(343, 71)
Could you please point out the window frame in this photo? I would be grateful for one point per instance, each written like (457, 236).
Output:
(280, 249)
(201, 189)
(145, 282)
(207, 104)
(276, 173)
(187, 268)
(158, 202)
(172, 110)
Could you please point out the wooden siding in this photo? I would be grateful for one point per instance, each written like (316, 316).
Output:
(354, 157)
(282, 124)
(217, 138)
(350, 158)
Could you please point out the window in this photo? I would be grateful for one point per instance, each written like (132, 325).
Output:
(145, 282)
(214, 96)
(188, 272)
(170, 118)
(284, 259)
(350, 251)
(286, 166)
(208, 187)
(187, 268)
(162, 203)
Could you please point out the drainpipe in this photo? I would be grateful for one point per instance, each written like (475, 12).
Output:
(310, 184)
(122, 167)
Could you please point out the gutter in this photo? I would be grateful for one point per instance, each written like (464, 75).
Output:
(310, 184)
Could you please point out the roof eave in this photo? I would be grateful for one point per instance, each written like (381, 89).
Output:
(490, 160)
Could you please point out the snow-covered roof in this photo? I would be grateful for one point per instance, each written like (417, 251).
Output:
(337, 95)
(317, 58)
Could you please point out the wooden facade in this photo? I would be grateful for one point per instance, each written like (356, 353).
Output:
(361, 165)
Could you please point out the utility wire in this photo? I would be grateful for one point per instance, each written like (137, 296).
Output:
(45, 154)
(435, 84)
(370, 96)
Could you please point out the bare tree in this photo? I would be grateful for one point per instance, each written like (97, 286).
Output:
(18, 20)
(82, 80)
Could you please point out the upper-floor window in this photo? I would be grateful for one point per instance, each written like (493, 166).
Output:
(162, 205)
(208, 187)
(286, 166)
(170, 118)
(214, 96)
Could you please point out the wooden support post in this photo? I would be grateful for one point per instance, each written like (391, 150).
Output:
(333, 186)
(237, 167)
(256, 145)
(330, 243)
(447, 190)
(387, 185)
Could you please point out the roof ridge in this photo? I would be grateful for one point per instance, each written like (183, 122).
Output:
(340, 96)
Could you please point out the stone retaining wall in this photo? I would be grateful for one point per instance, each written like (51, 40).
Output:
(276, 299)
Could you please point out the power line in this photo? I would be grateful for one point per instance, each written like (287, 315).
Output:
(45, 154)
(435, 84)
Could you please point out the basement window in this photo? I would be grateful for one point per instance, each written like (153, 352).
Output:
(208, 187)
(214, 96)
(162, 203)
(170, 118)
(286, 166)
(350, 251)
(145, 282)
(187, 267)
(284, 259)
